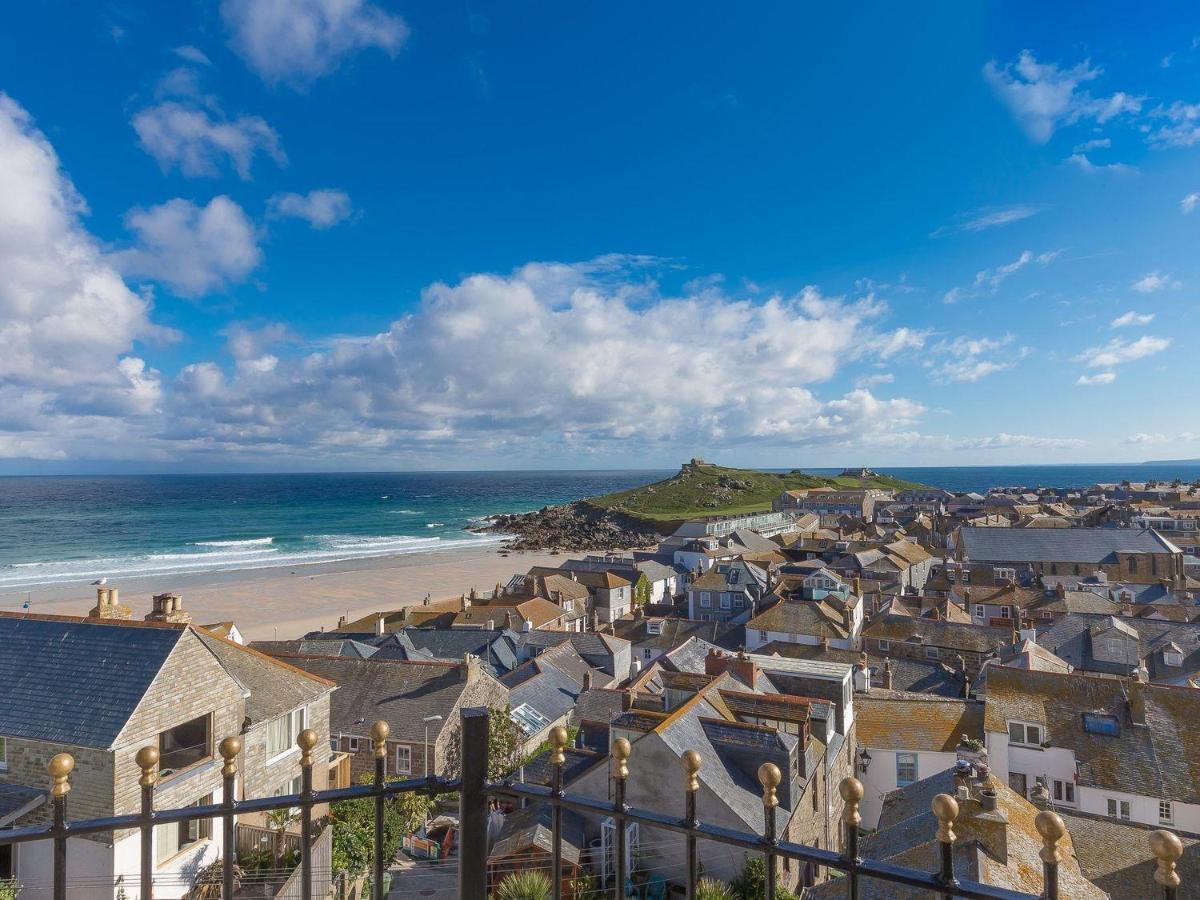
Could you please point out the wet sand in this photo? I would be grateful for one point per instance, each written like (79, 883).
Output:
(288, 602)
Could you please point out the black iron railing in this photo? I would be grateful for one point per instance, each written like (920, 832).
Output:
(474, 793)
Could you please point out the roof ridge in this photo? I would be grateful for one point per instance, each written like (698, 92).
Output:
(265, 656)
(88, 620)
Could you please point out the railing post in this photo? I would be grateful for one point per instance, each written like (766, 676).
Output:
(691, 786)
(945, 808)
(1167, 848)
(851, 791)
(230, 748)
(620, 754)
(558, 758)
(769, 777)
(379, 735)
(60, 769)
(472, 810)
(1050, 826)
(306, 741)
(147, 760)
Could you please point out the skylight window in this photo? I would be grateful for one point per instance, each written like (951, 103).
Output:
(1095, 723)
(529, 719)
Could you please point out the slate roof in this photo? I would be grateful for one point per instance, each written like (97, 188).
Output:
(1114, 855)
(1070, 638)
(811, 617)
(318, 647)
(938, 633)
(494, 650)
(74, 681)
(892, 722)
(275, 687)
(910, 675)
(550, 683)
(540, 770)
(531, 828)
(1082, 545)
(599, 705)
(401, 693)
(1149, 759)
(16, 799)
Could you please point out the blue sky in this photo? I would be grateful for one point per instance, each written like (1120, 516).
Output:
(329, 235)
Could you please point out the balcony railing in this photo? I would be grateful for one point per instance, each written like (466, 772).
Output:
(474, 790)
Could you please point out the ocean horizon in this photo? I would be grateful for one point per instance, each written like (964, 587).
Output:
(64, 529)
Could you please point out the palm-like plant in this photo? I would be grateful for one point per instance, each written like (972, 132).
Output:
(279, 820)
(708, 889)
(527, 885)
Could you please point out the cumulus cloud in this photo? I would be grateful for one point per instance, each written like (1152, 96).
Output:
(1153, 281)
(1143, 437)
(297, 41)
(1005, 441)
(870, 381)
(1097, 379)
(67, 320)
(1094, 144)
(322, 208)
(1189, 203)
(1180, 125)
(1132, 318)
(966, 359)
(1043, 97)
(1118, 351)
(1083, 164)
(193, 249)
(199, 142)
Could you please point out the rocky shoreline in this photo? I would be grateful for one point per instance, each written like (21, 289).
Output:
(573, 527)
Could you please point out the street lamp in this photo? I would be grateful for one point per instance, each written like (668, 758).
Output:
(864, 760)
(427, 720)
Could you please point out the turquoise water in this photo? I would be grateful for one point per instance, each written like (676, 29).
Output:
(63, 529)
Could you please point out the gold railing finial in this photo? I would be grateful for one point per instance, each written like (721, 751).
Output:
(379, 735)
(1167, 848)
(691, 767)
(945, 808)
(851, 791)
(306, 741)
(769, 777)
(1052, 829)
(60, 769)
(620, 753)
(147, 760)
(230, 748)
(558, 745)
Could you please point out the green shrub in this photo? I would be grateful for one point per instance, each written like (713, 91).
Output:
(710, 889)
(527, 885)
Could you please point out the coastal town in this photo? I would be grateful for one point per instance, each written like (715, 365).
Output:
(883, 671)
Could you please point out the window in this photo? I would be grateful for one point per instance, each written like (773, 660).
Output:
(884, 646)
(185, 744)
(3, 754)
(172, 837)
(725, 601)
(1025, 734)
(403, 760)
(1018, 782)
(906, 769)
(980, 612)
(1064, 791)
(647, 652)
(1001, 574)
(350, 744)
(1005, 613)
(1166, 812)
(654, 628)
(1118, 809)
(931, 653)
(1170, 658)
(705, 599)
(283, 731)
(762, 636)
(739, 601)
(1097, 723)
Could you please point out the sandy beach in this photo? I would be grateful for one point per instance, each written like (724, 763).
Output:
(288, 602)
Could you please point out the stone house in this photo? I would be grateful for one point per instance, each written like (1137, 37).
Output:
(962, 646)
(420, 701)
(101, 690)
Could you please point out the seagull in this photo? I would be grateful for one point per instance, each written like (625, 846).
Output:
(101, 580)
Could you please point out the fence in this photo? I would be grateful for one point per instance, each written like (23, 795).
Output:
(475, 791)
(321, 869)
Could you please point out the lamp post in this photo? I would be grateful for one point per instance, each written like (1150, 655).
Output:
(864, 760)
(427, 720)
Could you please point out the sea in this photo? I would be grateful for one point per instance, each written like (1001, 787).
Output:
(63, 529)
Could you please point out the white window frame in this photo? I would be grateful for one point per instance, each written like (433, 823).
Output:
(353, 744)
(705, 600)
(1025, 728)
(288, 724)
(932, 653)
(980, 611)
(905, 759)
(1064, 792)
(885, 646)
(726, 601)
(1003, 573)
(1166, 812)
(1119, 809)
(763, 636)
(647, 652)
(407, 770)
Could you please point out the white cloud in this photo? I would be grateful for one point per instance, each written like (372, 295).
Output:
(193, 55)
(1154, 281)
(322, 208)
(1132, 318)
(992, 278)
(870, 381)
(199, 141)
(1190, 202)
(988, 217)
(1094, 144)
(1182, 128)
(193, 249)
(1081, 162)
(1098, 378)
(298, 41)
(1005, 441)
(68, 322)
(1042, 97)
(1118, 351)
(971, 359)
(1143, 437)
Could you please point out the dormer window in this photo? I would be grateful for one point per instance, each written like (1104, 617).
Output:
(654, 628)
(1171, 658)
(1025, 734)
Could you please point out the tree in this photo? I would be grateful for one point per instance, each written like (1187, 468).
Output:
(642, 590)
(505, 739)
(354, 827)
(279, 820)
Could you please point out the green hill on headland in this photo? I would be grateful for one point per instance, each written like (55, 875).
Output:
(701, 489)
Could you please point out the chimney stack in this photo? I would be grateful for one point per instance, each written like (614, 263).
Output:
(627, 701)
(108, 606)
(1060, 590)
(470, 668)
(887, 674)
(589, 680)
(380, 627)
(168, 608)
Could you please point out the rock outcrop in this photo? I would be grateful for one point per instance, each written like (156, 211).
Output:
(573, 527)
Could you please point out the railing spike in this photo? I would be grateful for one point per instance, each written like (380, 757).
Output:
(379, 735)
(60, 769)
(147, 759)
(851, 791)
(1167, 848)
(769, 777)
(621, 751)
(306, 741)
(1052, 829)
(945, 808)
(230, 748)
